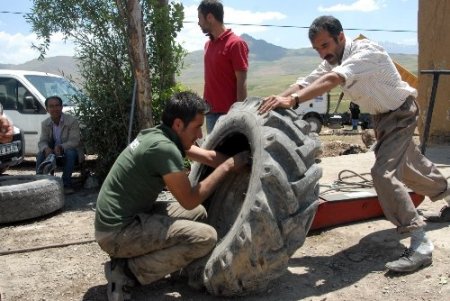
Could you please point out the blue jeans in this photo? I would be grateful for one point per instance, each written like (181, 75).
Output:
(211, 119)
(355, 124)
(68, 162)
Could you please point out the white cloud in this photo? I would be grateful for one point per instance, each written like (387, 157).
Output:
(192, 37)
(16, 48)
(359, 5)
(247, 17)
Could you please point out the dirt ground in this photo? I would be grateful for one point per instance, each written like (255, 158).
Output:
(55, 258)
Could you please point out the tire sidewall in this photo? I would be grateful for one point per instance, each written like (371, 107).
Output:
(29, 196)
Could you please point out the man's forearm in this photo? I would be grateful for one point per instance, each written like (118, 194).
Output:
(211, 158)
(206, 187)
(241, 94)
(320, 86)
(241, 85)
(292, 89)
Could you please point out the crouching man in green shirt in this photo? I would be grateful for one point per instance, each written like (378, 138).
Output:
(148, 239)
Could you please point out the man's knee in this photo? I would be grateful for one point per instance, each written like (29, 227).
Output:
(380, 174)
(375, 172)
(199, 213)
(70, 157)
(207, 237)
(71, 153)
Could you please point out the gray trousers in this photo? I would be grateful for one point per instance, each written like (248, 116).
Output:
(398, 163)
(162, 242)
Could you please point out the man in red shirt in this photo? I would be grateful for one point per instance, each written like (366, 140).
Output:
(225, 60)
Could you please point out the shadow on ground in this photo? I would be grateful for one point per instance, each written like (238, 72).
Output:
(319, 275)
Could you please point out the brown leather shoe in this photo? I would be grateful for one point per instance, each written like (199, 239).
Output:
(410, 261)
(440, 217)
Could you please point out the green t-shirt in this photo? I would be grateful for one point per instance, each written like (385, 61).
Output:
(135, 180)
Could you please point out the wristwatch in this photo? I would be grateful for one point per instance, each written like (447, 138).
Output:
(297, 100)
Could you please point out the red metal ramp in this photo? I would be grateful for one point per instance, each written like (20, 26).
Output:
(346, 207)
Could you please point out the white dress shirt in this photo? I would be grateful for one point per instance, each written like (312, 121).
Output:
(371, 78)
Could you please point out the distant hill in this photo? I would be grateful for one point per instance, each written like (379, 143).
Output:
(260, 50)
(272, 68)
(400, 48)
(61, 65)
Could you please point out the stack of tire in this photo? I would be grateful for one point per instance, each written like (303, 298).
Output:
(261, 215)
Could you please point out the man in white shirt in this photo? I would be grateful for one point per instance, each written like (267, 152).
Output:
(367, 74)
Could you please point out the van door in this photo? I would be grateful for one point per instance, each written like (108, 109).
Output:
(24, 109)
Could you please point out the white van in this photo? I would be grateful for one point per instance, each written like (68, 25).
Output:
(314, 111)
(22, 94)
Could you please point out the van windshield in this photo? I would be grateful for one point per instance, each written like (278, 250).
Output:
(51, 85)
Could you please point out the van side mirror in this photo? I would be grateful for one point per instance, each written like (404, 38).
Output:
(30, 104)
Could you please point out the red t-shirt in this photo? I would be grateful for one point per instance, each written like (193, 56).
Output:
(223, 56)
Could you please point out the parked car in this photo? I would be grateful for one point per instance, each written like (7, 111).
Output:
(23, 93)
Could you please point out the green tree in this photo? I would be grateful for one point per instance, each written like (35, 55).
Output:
(101, 34)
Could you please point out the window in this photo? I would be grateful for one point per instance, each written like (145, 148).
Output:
(14, 96)
(51, 86)
(8, 97)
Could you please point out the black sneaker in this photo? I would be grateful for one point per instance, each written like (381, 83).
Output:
(410, 261)
(441, 217)
(119, 284)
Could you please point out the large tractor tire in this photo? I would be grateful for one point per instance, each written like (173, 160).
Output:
(261, 215)
(26, 197)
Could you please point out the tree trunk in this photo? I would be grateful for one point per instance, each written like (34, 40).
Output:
(131, 11)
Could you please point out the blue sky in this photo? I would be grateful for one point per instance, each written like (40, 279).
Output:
(390, 15)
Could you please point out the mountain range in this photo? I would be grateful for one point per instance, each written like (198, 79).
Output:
(272, 68)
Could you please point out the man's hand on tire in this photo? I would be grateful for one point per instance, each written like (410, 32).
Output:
(241, 160)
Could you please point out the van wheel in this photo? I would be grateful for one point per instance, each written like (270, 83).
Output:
(261, 215)
(26, 197)
(315, 124)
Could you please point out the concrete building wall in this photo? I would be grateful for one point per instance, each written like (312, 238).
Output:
(434, 54)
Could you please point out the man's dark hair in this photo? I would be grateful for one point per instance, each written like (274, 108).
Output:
(327, 23)
(185, 106)
(53, 97)
(213, 7)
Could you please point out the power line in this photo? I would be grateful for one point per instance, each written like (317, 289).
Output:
(307, 27)
(267, 25)
(12, 12)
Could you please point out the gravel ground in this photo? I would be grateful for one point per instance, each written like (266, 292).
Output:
(55, 258)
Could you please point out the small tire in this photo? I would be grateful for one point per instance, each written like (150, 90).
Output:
(315, 124)
(26, 197)
(262, 215)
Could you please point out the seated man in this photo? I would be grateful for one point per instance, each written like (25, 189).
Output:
(60, 135)
(148, 239)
